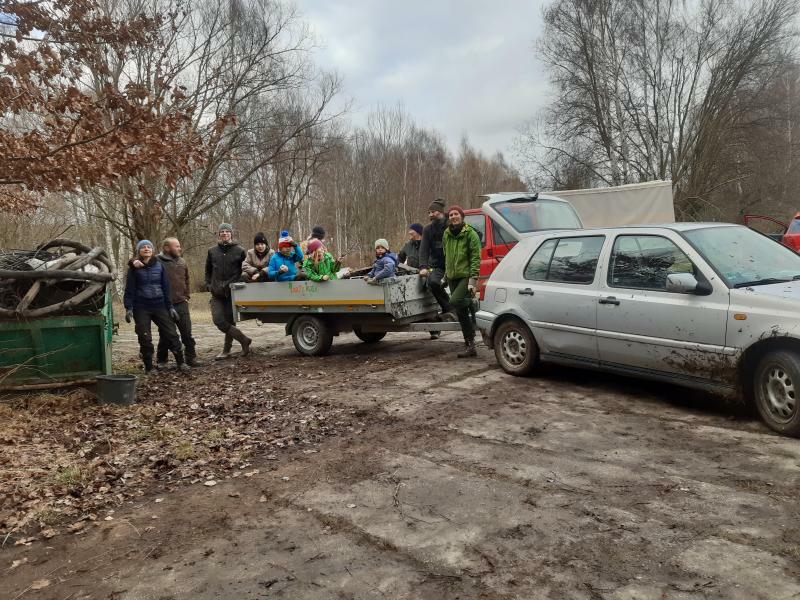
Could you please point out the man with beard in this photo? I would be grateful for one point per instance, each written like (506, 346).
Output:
(431, 255)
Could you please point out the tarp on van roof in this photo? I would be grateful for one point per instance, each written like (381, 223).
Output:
(635, 204)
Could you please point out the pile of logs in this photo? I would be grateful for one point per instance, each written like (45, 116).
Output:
(59, 277)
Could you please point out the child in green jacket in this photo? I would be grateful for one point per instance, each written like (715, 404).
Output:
(319, 265)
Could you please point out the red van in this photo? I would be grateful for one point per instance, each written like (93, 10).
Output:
(507, 217)
(788, 235)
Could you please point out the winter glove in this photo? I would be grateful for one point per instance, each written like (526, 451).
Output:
(472, 285)
(174, 314)
(128, 316)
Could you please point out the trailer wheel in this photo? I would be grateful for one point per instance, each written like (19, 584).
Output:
(369, 337)
(311, 336)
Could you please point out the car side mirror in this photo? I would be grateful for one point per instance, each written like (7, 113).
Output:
(686, 283)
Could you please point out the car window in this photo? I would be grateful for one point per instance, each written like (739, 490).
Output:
(643, 262)
(566, 260)
(794, 226)
(501, 235)
(478, 223)
(536, 270)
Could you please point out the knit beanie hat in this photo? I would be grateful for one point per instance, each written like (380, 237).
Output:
(142, 244)
(260, 238)
(285, 241)
(456, 207)
(416, 227)
(318, 232)
(225, 226)
(382, 243)
(437, 204)
(314, 245)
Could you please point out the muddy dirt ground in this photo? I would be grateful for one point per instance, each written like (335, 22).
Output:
(459, 482)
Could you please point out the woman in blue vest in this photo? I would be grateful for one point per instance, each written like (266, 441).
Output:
(147, 300)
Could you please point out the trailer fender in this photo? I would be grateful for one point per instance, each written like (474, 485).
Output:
(290, 324)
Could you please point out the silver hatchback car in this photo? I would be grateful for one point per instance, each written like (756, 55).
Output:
(705, 305)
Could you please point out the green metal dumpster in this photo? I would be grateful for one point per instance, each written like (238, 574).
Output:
(70, 349)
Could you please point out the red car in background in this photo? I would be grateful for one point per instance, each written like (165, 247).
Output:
(788, 235)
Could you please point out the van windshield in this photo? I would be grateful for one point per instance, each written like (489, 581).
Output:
(527, 215)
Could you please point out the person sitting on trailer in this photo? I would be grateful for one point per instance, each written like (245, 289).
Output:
(256, 266)
(283, 264)
(385, 265)
(319, 264)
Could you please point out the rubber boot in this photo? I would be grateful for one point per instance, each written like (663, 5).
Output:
(148, 363)
(181, 364)
(240, 337)
(226, 348)
(470, 350)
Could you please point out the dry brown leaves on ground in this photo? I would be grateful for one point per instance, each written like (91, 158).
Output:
(64, 458)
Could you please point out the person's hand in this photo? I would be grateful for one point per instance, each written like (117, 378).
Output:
(255, 277)
(137, 264)
(423, 272)
(174, 314)
(283, 269)
(325, 278)
(294, 244)
(472, 285)
(128, 316)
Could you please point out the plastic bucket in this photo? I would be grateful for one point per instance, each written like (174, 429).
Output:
(116, 389)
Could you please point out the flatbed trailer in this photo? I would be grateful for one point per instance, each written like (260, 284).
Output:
(315, 312)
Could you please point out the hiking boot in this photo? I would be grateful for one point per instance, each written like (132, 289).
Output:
(226, 348)
(182, 368)
(470, 351)
(240, 337)
(162, 366)
(193, 362)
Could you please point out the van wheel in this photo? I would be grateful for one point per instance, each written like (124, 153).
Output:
(515, 348)
(311, 336)
(777, 391)
(369, 337)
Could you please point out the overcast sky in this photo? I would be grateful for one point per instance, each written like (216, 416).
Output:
(464, 67)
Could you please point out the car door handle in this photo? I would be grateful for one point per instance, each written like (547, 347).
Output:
(526, 292)
(609, 300)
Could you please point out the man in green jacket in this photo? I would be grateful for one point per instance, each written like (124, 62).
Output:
(462, 260)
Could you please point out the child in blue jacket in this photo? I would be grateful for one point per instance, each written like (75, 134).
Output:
(385, 265)
(283, 264)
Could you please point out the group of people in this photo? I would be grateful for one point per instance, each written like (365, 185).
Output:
(157, 286)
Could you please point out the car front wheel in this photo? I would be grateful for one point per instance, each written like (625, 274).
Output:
(776, 390)
(515, 349)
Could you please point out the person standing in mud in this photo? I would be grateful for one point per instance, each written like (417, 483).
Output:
(431, 255)
(223, 267)
(462, 252)
(147, 300)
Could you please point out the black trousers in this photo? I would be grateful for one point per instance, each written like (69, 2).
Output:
(185, 331)
(222, 313)
(436, 285)
(144, 317)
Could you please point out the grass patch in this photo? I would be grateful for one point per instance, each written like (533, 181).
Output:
(71, 476)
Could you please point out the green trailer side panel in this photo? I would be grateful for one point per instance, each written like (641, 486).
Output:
(52, 349)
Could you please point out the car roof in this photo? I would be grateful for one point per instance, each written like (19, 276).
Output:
(497, 196)
(679, 227)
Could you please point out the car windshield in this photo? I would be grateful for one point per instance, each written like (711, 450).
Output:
(744, 257)
(527, 215)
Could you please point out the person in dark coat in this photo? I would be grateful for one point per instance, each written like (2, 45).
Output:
(223, 267)
(180, 287)
(410, 252)
(431, 256)
(147, 300)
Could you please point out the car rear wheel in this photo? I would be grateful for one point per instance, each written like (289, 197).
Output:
(515, 349)
(777, 391)
(369, 337)
(312, 336)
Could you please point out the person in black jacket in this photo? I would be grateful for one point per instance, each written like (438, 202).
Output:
(147, 300)
(223, 267)
(431, 256)
(410, 252)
